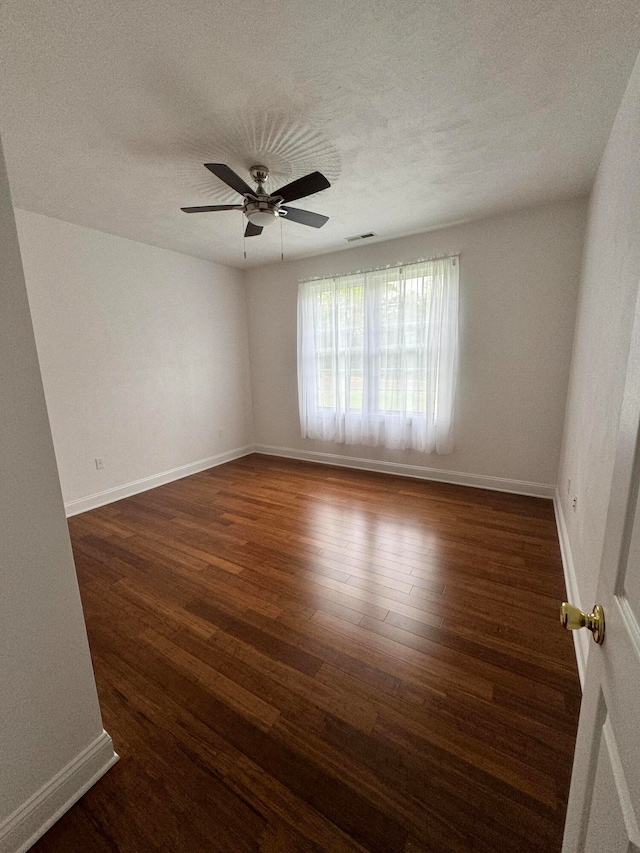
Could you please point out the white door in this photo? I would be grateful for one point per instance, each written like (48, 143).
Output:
(603, 814)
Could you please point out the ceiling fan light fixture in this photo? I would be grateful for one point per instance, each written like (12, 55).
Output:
(262, 217)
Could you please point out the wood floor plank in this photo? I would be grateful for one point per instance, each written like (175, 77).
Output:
(270, 797)
(272, 646)
(293, 657)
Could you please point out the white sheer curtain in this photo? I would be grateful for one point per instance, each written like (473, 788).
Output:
(377, 357)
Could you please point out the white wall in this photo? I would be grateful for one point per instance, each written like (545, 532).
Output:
(143, 351)
(49, 714)
(608, 292)
(518, 278)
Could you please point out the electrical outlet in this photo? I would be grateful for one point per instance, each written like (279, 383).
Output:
(574, 502)
(220, 433)
(99, 463)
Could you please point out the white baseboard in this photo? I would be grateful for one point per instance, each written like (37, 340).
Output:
(32, 819)
(118, 492)
(580, 638)
(479, 481)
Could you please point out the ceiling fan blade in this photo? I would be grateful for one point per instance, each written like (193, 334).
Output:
(308, 185)
(207, 208)
(229, 177)
(305, 217)
(252, 230)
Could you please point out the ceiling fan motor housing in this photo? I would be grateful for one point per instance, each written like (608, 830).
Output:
(262, 211)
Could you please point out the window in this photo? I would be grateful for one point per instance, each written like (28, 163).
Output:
(377, 355)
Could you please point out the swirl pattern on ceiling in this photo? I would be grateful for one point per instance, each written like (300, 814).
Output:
(289, 146)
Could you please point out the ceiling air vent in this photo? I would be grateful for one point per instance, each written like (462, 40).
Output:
(360, 237)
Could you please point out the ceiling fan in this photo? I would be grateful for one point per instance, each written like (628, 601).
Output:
(262, 208)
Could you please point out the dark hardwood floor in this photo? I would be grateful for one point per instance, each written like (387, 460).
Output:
(294, 657)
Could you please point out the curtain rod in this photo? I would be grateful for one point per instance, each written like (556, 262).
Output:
(454, 258)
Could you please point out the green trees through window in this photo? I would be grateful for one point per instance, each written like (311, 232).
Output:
(376, 350)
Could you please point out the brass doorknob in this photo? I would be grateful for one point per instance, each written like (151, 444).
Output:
(572, 618)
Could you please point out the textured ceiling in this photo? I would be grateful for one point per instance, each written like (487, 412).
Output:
(420, 112)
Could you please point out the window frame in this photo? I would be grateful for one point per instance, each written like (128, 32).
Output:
(396, 367)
